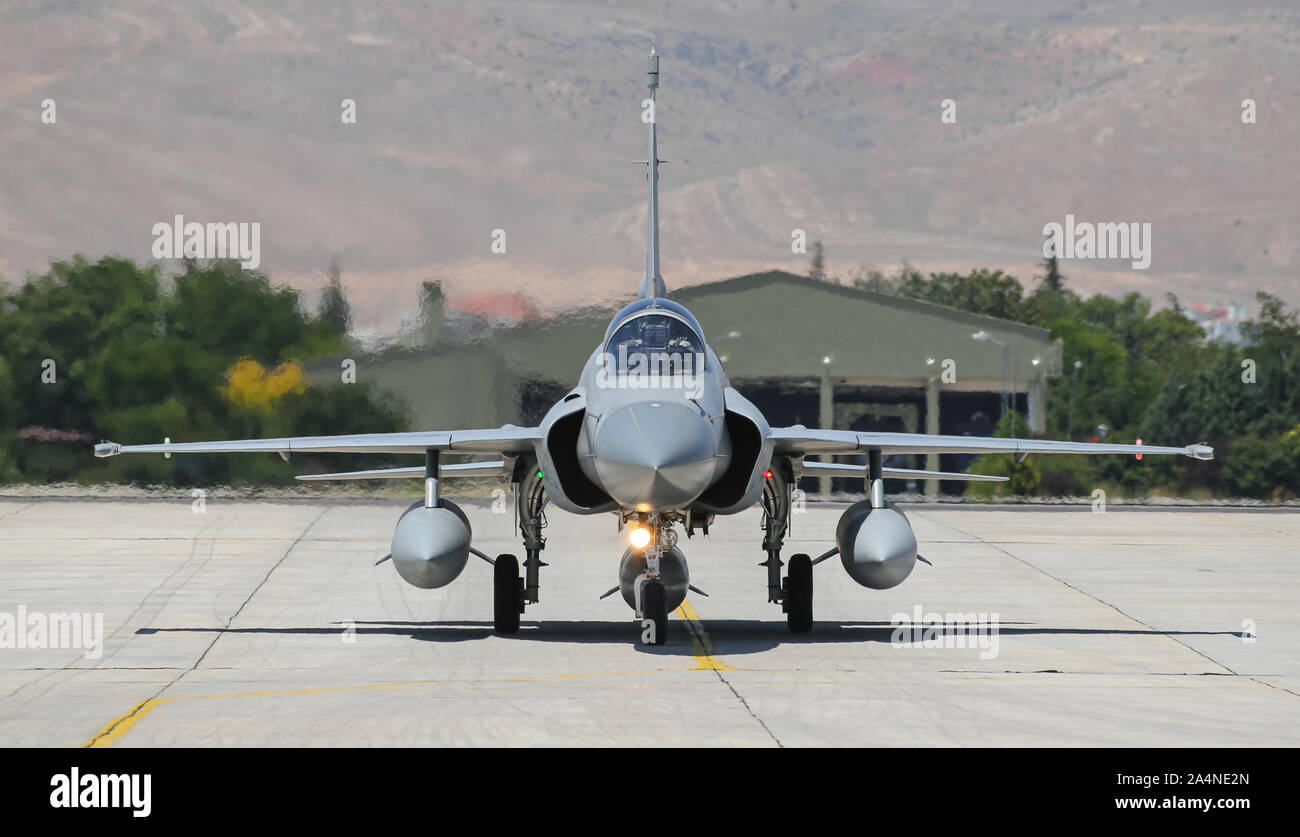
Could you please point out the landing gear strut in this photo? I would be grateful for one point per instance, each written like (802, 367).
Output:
(510, 592)
(795, 592)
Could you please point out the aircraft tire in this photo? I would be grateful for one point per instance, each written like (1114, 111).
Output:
(507, 598)
(654, 606)
(799, 594)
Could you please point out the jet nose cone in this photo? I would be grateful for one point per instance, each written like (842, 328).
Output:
(656, 454)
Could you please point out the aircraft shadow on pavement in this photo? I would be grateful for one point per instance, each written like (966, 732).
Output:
(724, 636)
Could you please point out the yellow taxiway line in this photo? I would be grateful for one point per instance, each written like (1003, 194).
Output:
(701, 645)
(700, 642)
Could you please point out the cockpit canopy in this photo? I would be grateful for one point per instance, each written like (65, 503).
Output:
(666, 305)
(656, 335)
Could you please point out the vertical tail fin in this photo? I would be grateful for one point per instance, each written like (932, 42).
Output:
(652, 284)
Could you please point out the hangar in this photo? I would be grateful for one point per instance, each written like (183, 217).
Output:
(805, 351)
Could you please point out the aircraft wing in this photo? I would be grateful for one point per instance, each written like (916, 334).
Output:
(843, 469)
(506, 440)
(799, 440)
(496, 468)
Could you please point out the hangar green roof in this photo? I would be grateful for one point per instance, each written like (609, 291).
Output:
(779, 324)
(773, 325)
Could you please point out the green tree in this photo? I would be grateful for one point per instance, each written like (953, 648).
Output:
(817, 266)
(1024, 477)
(1052, 279)
(982, 291)
(334, 308)
(1274, 349)
(1265, 468)
(67, 316)
(136, 363)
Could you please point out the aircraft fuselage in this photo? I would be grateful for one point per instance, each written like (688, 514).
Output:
(654, 398)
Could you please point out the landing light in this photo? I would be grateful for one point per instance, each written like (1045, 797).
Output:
(639, 538)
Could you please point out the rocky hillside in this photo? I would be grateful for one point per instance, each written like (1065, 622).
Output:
(525, 117)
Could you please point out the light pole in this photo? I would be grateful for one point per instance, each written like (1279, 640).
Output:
(931, 425)
(826, 408)
(1035, 394)
(1069, 425)
(984, 336)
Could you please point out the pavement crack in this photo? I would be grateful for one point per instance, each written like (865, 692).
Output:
(130, 717)
(748, 708)
(701, 637)
(1110, 605)
(231, 620)
(16, 511)
(49, 678)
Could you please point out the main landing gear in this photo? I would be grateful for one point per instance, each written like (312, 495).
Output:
(511, 593)
(795, 592)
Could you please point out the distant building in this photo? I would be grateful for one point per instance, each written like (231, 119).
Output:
(1219, 321)
(469, 318)
(504, 308)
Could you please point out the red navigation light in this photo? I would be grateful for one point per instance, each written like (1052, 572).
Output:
(767, 475)
(1139, 456)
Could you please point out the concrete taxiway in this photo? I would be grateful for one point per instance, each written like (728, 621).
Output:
(269, 623)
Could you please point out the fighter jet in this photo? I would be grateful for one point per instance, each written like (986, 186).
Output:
(653, 435)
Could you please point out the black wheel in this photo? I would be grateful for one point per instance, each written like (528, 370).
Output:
(799, 594)
(654, 606)
(507, 595)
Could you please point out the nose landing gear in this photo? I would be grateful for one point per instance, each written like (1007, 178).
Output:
(654, 534)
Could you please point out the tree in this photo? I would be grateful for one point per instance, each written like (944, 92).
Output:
(69, 316)
(872, 280)
(982, 291)
(334, 308)
(817, 268)
(1052, 279)
(124, 371)
(1024, 476)
(875, 281)
(1051, 300)
(1264, 468)
(432, 311)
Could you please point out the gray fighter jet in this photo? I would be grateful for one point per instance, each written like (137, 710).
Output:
(653, 435)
